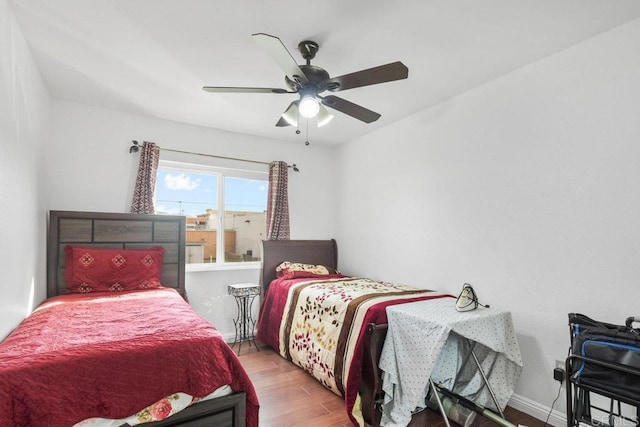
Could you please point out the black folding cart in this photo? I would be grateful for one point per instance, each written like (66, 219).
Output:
(603, 373)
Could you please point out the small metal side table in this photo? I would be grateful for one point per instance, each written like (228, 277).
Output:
(244, 294)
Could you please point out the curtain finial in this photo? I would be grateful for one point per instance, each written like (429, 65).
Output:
(135, 147)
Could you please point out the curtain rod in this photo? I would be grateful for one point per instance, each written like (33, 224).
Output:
(136, 146)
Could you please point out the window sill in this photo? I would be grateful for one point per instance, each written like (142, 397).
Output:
(250, 265)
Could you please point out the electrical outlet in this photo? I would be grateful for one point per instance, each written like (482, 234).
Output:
(558, 372)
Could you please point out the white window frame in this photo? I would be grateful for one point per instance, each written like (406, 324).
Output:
(221, 173)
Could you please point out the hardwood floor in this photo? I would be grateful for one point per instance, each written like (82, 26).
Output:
(290, 397)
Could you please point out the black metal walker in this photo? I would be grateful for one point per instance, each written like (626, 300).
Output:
(603, 367)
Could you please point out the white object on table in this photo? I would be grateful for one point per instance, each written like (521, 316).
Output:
(430, 339)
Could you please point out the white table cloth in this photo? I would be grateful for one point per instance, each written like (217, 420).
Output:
(430, 339)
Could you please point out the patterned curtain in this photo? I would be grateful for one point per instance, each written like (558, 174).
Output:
(146, 179)
(278, 202)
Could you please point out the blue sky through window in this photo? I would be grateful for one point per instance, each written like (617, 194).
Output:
(191, 194)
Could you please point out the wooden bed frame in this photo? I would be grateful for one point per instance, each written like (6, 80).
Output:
(137, 231)
(325, 252)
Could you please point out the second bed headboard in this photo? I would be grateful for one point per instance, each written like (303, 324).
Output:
(274, 252)
(117, 231)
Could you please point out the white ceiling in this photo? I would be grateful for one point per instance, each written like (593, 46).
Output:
(152, 57)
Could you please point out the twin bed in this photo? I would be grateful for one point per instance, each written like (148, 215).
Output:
(332, 326)
(116, 343)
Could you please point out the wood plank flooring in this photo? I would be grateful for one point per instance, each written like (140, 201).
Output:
(290, 397)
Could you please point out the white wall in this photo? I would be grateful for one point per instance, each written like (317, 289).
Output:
(89, 168)
(526, 187)
(24, 109)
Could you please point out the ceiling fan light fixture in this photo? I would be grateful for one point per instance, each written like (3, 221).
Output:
(323, 116)
(308, 106)
(291, 115)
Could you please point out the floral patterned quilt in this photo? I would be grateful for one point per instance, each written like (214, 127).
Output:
(158, 411)
(319, 324)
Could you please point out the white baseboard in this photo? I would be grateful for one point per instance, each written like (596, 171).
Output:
(536, 410)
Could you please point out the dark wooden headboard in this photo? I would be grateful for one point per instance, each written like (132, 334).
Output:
(116, 230)
(274, 252)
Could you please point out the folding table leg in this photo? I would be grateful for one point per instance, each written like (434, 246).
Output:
(486, 382)
(434, 390)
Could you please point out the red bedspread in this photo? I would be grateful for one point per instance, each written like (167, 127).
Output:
(339, 303)
(104, 355)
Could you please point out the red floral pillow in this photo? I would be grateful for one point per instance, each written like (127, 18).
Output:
(112, 270)
(300, 274)
(291, 270)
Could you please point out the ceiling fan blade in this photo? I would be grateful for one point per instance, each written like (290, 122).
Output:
(279, 53)
(351, 109)
(371, 76)
(219, 89)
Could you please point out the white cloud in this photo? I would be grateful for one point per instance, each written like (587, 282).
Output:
(180, 181)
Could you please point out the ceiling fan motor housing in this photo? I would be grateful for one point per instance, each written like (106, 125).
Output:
(317, 78)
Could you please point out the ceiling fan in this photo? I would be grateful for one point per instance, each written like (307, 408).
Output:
(309, 81)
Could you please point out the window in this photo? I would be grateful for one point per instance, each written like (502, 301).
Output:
(225, 210)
